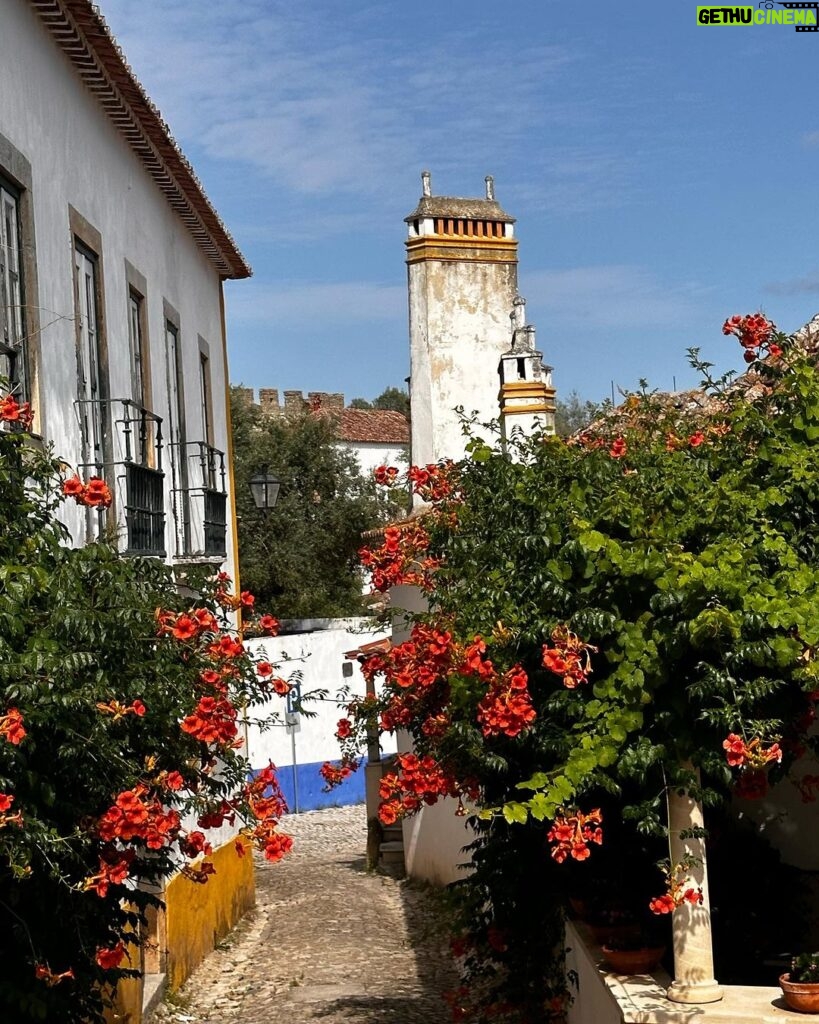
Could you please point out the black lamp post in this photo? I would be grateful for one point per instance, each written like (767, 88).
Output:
(265, 489)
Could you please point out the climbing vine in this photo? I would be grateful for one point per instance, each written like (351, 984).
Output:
(610, 615)
(120, 739)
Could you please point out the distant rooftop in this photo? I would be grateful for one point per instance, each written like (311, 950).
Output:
(374, 426)
(80, 31)
(355, 426)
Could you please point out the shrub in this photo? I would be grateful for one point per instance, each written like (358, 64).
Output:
(119, 733)
(628, 610)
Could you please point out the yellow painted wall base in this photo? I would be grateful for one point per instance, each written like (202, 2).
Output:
(198, 916)
(127, 1007)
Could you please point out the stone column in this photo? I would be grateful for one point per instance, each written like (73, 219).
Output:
(694, 980)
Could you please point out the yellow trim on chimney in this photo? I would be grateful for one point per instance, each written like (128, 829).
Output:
(469, 248)
(532, 407)
(523, 389)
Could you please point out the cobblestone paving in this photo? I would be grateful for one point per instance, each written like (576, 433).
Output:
(328, 942)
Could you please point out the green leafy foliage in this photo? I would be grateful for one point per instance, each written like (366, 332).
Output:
(805, 969)
(80, 652)
(302, 555)
(392, 399)
(574, 413)
(680, 543)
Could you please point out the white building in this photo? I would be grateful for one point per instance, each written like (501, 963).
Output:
(112, 260)
(112, 263)
(470, 347)
(316, 657)
(376, 437)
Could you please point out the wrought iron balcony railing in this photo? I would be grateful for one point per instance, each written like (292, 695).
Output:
(201, 502)
(132, 461)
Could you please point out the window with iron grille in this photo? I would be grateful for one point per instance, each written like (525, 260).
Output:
(215, 523)
(145, 509)
(177, 444)
(206, 497)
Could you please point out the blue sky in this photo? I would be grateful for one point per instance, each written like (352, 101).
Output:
(664, 175)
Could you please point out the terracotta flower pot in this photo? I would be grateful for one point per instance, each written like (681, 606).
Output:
(605, 934)
(633, 961)
(580, 907)
(799, 995)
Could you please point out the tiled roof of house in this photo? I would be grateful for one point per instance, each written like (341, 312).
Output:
(383, 646)
(83, 35)
(376, 426)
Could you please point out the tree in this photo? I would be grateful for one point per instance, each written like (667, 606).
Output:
(302, 554)
(391, 399)
(574, 413)
(394, 399)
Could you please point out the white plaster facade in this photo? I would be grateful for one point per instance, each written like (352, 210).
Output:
(123, 260)
(313, 658)
(371, 454)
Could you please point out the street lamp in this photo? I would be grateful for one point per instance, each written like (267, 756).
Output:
(265, 489)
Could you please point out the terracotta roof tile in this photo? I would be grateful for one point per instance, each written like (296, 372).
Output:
(383, 646)
(377, 426)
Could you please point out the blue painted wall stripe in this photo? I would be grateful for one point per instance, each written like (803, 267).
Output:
(310, 786)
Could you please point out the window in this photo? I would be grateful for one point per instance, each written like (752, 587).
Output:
(212, 467)
(177, 441)
(90, 392)
(204, 394)
(136, 342)
(12, 324)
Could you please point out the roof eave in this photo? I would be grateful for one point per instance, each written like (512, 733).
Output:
(82, 34)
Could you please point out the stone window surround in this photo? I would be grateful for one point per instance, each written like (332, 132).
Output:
(16, 169)
(137, 286)
(181, 514)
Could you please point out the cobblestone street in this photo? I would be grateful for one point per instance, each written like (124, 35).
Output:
(328, 942)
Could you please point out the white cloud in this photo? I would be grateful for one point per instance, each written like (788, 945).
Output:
(611, 296)
(810, 139)
(807, 285)
(337, 106)
(321, 304)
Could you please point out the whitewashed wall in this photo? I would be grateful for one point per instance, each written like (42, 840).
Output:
(593, 1000)
(370, 455)
(299, 752)
(77, 158)
(435, 836)
(459, 327)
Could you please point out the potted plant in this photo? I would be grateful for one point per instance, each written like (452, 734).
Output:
(800, 986)
(610, 924)
(636, 953)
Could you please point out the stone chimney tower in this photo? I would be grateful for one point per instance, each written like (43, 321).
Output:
(527, 397)
(462, 267)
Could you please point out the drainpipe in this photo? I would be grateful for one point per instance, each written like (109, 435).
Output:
(694, 980)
